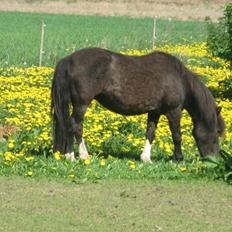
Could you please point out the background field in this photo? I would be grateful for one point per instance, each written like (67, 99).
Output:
(178, 9)
(20, 35)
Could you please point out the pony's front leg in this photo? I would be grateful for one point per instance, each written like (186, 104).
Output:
(174, 124)
(152, 121)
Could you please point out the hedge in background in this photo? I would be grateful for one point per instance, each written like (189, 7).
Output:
(219, 42)
(219, 39)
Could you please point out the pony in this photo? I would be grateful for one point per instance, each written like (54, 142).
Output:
(156, 84)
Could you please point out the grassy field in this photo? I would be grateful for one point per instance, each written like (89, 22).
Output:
(20, 35)
(25, 101)
(29, 205)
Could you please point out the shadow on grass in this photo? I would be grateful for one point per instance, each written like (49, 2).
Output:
(135, 155)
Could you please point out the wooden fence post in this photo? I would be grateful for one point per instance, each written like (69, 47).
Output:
(41, 51)
(154, 32)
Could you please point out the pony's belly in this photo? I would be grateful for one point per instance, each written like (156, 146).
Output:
(134, 105)
(125, 107)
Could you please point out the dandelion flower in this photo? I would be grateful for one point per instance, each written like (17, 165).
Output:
(102, 162)
(29, 158)
(29, 173)
(11, 145)
(57, 155)
(183, 169)
(87, 161)
(132, 166)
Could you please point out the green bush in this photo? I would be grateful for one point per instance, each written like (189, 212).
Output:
(225, 87)
(219, 38)
(221, 166)
(219, 41)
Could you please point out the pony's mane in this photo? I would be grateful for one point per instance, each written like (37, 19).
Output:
(205, 101)
(221, 125)
(202, 98)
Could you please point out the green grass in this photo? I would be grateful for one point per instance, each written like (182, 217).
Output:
(29, 205)
(115, 168)
(20, 35)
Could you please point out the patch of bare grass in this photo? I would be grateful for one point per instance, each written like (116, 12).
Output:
(29, 205)
(6, 131)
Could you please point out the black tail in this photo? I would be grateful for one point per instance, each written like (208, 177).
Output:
(60, 106)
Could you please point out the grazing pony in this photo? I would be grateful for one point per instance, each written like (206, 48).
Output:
(156, 84)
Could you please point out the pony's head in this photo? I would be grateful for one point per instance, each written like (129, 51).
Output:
(207, 135)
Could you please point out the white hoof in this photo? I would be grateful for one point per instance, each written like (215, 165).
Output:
(146, 154)
(145, 159)
(70, 156)
(83, 153)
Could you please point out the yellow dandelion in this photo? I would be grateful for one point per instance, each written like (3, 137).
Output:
(29, 158)
(57, 155)
(9, 156)
(87, 161)
(102, 162)
(132, 166)
(131, 162)
(29, 173)
(11, 145)
(28, 128)
(183, 169)
(20, 154)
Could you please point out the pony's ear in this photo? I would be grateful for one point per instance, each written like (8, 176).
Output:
(218, 109)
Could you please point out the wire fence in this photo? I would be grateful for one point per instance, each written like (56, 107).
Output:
(40, 39)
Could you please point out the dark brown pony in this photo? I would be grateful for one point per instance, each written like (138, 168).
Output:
(157, 83)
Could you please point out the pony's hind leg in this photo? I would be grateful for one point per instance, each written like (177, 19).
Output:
(78, 118)
(174, 117)
(69, 143)
(152, 121)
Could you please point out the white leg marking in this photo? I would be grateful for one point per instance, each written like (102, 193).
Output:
(146, 154)
(70, 156)
(83, 153)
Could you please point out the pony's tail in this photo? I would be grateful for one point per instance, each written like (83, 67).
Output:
(60, 106)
